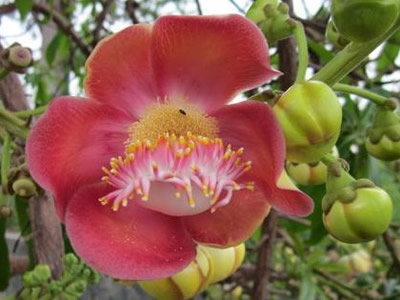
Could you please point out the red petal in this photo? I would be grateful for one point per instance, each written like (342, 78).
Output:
(119, 70)
(208, 59)
(253, 125)
(133, 243)
(231, 224)
(71, 142)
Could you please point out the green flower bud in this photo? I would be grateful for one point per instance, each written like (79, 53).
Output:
(17, 58)
(364, 20)
(24, 187)
(361, 217)
(183, 285)
(383, 138)
(310, 116)
(224, 262)
(333, 36)
(76, 288)
(209, 266)
(273, 19)
(70, 259)
(309, 173)
(41, 273)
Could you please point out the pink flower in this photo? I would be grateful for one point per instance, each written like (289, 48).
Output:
(157, 146)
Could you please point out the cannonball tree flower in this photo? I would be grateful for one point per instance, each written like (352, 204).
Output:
(153, 161)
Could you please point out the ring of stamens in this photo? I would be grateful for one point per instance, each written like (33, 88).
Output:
(182, 161)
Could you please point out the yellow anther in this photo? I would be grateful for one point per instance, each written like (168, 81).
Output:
(191, 201)
(154, 165)
(187, 151)
(236, 187)
(250, 185)
(114, 172)
(125, 202)
(182, 140)
(237, 161)
(228, 153)
(247, 166)
(191, 144)
(240, 151)
(138, 191)
(177, 194)
(104, 200)
(115, 206)
(145, 197)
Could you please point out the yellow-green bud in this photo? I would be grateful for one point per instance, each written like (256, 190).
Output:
(209, 266)
(360, 219)
(310, 115)
(24, 187)
(308, 173)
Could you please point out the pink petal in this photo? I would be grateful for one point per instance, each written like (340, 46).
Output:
(253, 125)
(69, 145)
(231, 224)
(208, 59)
(133, 243)
(119, 70)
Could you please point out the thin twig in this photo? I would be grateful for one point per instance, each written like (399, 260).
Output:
(131, 7)
(199, 11)
(100, 21)
(264, 254)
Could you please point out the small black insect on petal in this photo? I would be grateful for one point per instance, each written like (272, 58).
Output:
(182, 112)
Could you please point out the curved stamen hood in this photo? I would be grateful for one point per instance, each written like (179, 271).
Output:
(196, 168)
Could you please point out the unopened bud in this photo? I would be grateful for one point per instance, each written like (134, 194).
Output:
(17, 58)
(24, 187)
(5, 211)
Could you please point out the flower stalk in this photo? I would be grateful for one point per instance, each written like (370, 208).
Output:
(350, 57)
(302, 47)
(346, 88)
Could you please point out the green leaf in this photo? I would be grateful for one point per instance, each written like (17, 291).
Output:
(52, 49)
(24, 7)
(318, 231)
(308, 288)
(387, 57)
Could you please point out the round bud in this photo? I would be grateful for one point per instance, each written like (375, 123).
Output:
(362, 219)
(210, 265)
(364, 20)
(310, 115)
(24, 187)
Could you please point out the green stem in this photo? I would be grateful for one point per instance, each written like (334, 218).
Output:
(3, 72)
(11, 117)
(302, 47)
(32, 112)
(329, 158)
(20, 132)
(5, 161)
(350, 58)
(377, 99)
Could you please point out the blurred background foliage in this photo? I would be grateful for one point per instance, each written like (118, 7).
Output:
(306, 263)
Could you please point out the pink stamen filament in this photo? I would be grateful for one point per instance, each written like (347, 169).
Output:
(181, 162)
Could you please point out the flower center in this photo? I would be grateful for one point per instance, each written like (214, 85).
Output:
(164, 161)
(172, 119)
